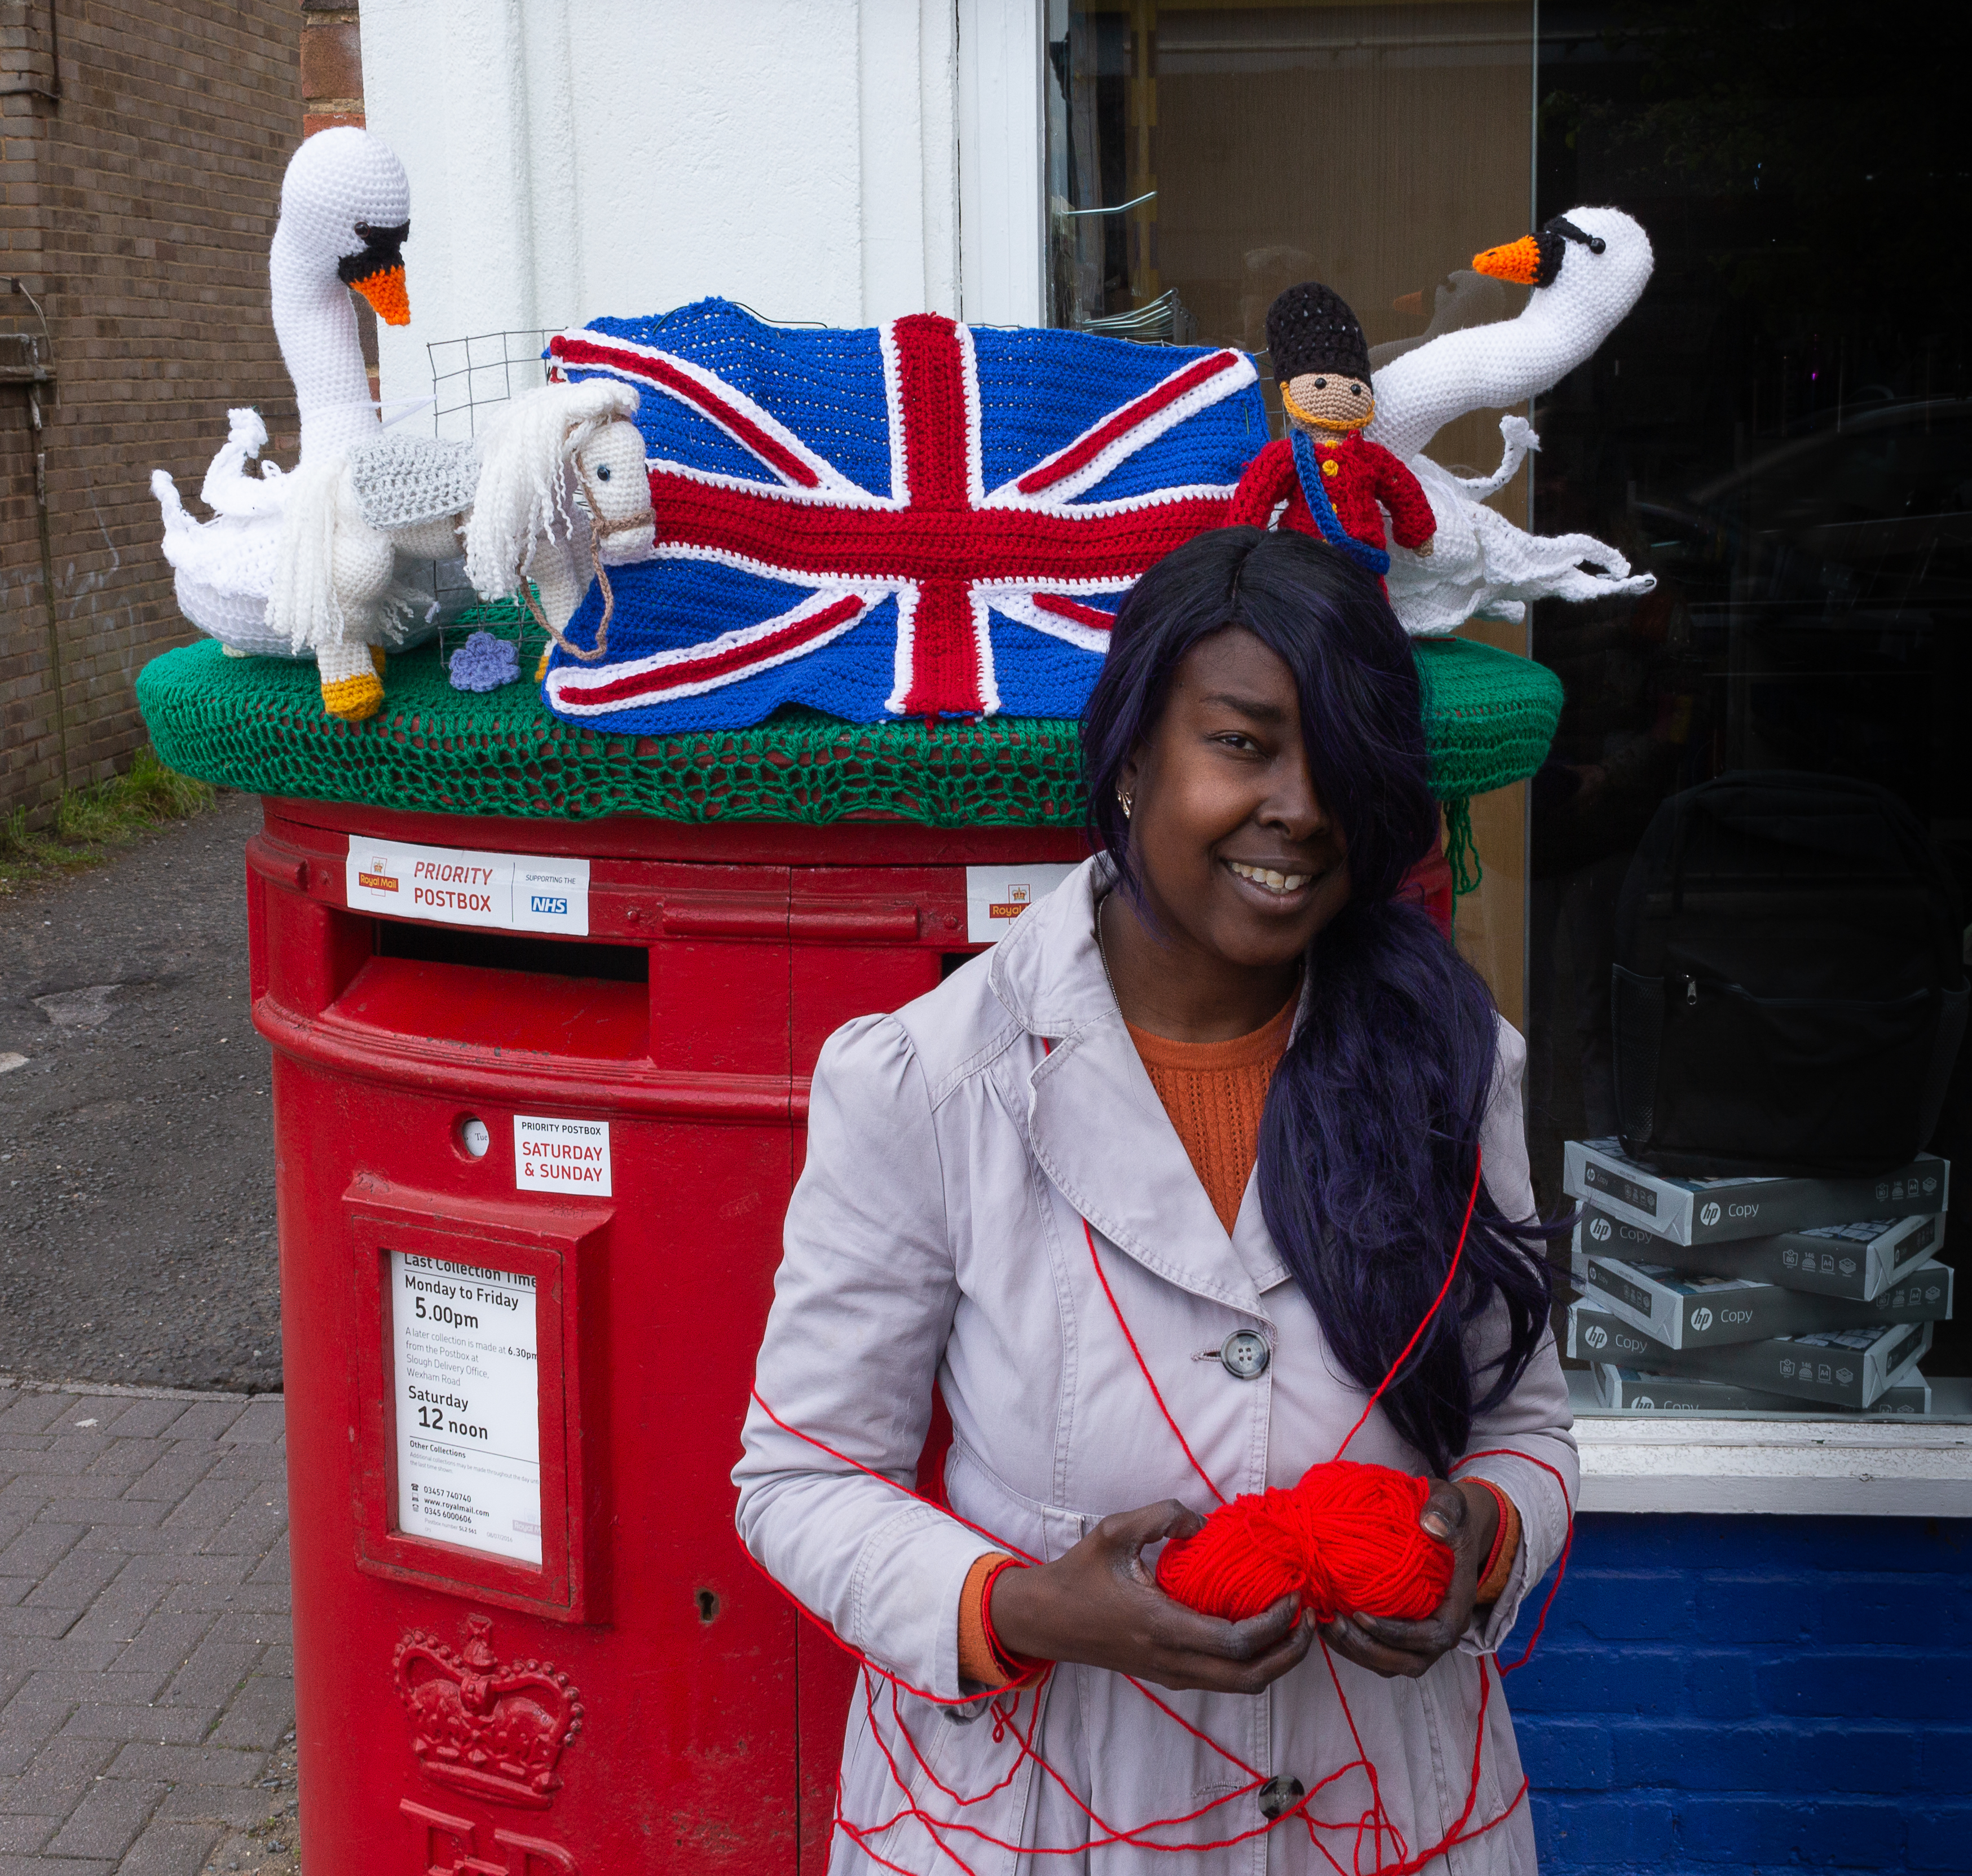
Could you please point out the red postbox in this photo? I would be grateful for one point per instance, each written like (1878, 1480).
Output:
(530, 1188)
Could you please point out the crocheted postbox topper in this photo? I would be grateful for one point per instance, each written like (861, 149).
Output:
(917, 520)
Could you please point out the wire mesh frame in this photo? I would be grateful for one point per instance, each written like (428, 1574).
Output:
(480, 374)
(471, 379)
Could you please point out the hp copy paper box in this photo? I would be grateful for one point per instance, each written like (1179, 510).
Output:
(1716, 1211)
(1685, 1311)
(1858, 1261)
(1844, 1367)
(1633, 1391)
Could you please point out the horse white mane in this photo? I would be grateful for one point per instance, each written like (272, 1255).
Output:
(525, 494)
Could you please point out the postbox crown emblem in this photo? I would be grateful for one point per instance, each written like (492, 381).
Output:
(480, 1725)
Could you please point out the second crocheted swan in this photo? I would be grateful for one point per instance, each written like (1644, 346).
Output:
(1587, 268)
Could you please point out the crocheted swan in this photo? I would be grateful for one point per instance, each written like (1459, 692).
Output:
(1587, 268)
(306, 563)
(345, 211)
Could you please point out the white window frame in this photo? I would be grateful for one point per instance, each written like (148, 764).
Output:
(1002, 195)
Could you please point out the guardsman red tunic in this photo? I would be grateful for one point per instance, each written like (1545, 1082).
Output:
(1358, 475)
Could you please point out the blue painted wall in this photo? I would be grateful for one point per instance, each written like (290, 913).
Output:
(1733, 1695)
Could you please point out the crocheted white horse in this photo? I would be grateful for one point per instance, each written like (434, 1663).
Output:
(555, 489)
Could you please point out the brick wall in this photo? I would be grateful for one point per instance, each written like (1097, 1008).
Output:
(139, 206)
(1729, 1695)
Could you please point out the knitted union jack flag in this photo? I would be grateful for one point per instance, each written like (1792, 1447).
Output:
(921, 519)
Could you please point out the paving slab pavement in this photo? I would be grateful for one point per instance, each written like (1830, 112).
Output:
(146, 1676)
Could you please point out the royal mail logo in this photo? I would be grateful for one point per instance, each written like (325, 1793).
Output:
(1701, 1319)
(379, 878)
(1709, 1212)
(1599, 1229)
(1018, 899)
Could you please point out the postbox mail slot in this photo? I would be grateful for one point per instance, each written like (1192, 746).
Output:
(503, 951)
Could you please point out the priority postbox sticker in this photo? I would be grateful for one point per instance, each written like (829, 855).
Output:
(553, 1155)
(995, 896)
(449, 885)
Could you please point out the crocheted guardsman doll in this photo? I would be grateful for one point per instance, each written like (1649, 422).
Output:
(1332, 477)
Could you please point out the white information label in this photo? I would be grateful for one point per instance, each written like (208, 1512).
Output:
(995, 896)
(506, 892)
(467, 1383)
(552, 1155)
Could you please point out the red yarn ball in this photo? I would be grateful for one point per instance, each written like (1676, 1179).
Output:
(1345, 1539)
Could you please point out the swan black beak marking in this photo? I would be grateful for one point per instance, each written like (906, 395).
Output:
(376, 271)
(1534, 259)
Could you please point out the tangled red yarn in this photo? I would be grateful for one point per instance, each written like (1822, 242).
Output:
(1345, 1539)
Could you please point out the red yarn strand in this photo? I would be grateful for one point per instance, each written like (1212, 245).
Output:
(1144, 1367)
(1457, 1252)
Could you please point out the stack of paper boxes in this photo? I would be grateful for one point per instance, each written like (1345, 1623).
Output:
(1766, 1295)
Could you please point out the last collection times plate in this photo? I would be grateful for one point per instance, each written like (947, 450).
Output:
(465, 1373)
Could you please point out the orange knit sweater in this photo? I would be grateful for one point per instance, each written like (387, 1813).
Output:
(1214, 1092)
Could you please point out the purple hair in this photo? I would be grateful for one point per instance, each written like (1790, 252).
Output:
(1371, 1129)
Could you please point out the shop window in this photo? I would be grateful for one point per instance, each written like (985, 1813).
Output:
(1781, 433)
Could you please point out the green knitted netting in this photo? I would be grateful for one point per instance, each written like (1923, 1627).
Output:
(257, 724)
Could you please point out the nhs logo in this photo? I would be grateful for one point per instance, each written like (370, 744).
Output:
(551, 895)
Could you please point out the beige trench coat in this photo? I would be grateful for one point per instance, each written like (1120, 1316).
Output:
(937, 1234)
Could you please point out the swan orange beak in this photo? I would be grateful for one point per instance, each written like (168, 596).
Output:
(376, 270)
(385, 292)
(1411, 303)
(1519, 262)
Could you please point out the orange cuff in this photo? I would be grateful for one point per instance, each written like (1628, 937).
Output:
(1499, 1570)
(976, 1661)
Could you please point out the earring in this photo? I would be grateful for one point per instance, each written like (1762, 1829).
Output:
(1124, 801)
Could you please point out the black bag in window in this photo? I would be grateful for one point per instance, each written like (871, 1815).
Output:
(1789, 989)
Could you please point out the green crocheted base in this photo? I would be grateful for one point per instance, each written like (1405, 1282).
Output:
(257, 724)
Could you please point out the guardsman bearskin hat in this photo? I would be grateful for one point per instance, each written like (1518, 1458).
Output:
(1310, 328)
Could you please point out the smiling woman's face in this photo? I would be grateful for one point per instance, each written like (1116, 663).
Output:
(1241, 864)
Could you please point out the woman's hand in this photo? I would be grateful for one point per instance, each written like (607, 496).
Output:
(1098, 1605)
(1466, 1517)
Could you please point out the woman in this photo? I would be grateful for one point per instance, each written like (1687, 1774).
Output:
(1220, 1094)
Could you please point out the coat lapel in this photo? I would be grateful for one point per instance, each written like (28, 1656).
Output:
(1094, 1123)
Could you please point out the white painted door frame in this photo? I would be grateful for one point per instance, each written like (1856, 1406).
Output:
(1002, 64)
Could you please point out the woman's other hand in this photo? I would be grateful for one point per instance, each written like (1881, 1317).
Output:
(1100, 1606)
(1466, 1517)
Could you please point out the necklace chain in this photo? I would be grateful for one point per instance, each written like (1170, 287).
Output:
(1102, 952)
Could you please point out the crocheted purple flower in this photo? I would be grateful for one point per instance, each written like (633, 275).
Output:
(484, 663)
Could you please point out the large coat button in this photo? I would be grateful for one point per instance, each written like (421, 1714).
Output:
(1279, 1796)
(1245, 1355)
